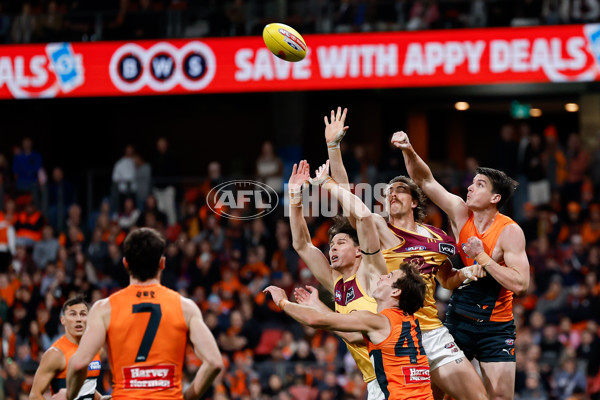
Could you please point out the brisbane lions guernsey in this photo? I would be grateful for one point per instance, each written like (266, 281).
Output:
(429, 253)
(350, 296)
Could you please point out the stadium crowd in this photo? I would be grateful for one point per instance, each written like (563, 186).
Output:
(73, 20)
(223, 265)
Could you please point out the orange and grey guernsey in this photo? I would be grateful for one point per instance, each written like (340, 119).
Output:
(484, 299)
(429, 253)
(146, 340)
(400, 362)
(350, 296)
(88, 389)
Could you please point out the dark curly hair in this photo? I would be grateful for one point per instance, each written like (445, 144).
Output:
(413, 288)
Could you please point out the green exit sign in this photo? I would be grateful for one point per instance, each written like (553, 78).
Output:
(519, 111)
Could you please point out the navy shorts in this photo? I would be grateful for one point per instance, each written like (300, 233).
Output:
(486, 341)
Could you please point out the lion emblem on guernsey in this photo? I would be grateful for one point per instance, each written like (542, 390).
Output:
(417, 260)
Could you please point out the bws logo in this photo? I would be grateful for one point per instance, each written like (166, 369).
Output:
(42, 75)
(447, 248)
(162, 67)
(242, 199)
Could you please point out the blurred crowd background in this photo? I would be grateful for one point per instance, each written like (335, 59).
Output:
(64, 243)
(223, 264)
(89, 20)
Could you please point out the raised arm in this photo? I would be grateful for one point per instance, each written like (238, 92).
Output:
(91, 342)
(205, 348)
(514, 275)
(368, 237)
(356, 321)
(419, 171)
(301, 240)
(334, 133)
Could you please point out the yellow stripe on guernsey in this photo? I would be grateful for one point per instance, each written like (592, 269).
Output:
(428, 253)
(350, 296)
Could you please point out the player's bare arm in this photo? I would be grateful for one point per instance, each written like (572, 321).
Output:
(91, 342)
(53, 361)
(310, 297)
(420, 172)
(205, 348)
(334, 133)
(373, 263)
(373, 325)
(301, 240)
(450, 278)
(510, 248)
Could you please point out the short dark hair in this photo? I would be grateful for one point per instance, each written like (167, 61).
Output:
(502, 184)
(342, 225)
(143, 249)
(416, 193)
(73, 301)
(413, 288)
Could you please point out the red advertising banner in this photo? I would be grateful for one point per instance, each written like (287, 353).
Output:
(341, 61)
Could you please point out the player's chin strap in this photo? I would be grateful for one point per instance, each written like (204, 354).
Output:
(335, 143)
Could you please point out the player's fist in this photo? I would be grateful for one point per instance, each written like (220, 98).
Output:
(473, 247)
(400, 140)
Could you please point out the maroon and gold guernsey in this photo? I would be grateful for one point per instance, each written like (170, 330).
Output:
(350, 296)
(429, 253)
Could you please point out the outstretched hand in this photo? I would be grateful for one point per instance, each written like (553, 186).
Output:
(300, 174)
(308, 296)
(400, 140)
(473, 247)
(321, 175)
(335, 129)
(277, 293)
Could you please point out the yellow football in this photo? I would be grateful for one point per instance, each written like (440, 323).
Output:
(285, 42)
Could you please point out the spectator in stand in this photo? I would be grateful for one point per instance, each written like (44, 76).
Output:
(538, 187)
(555, 159)
(123, 178)
(590, 232)
(165, 171)
(6, 176)
(61, 195)
(45, 250)
(580, 11)
(24, 25)
(29, 225)
(269, 167)
(7, 237)
(424, 14)
(128, 217)
(143, 180)
(27, 164)
(567, 380)
(150, 207)
(577, 164)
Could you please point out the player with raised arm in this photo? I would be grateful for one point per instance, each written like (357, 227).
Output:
(405, 239)
(480, 313)
(392, 334)
(52, 372)
(355, 261)
(146, 327)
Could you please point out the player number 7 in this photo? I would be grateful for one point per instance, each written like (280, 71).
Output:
(151, 328)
